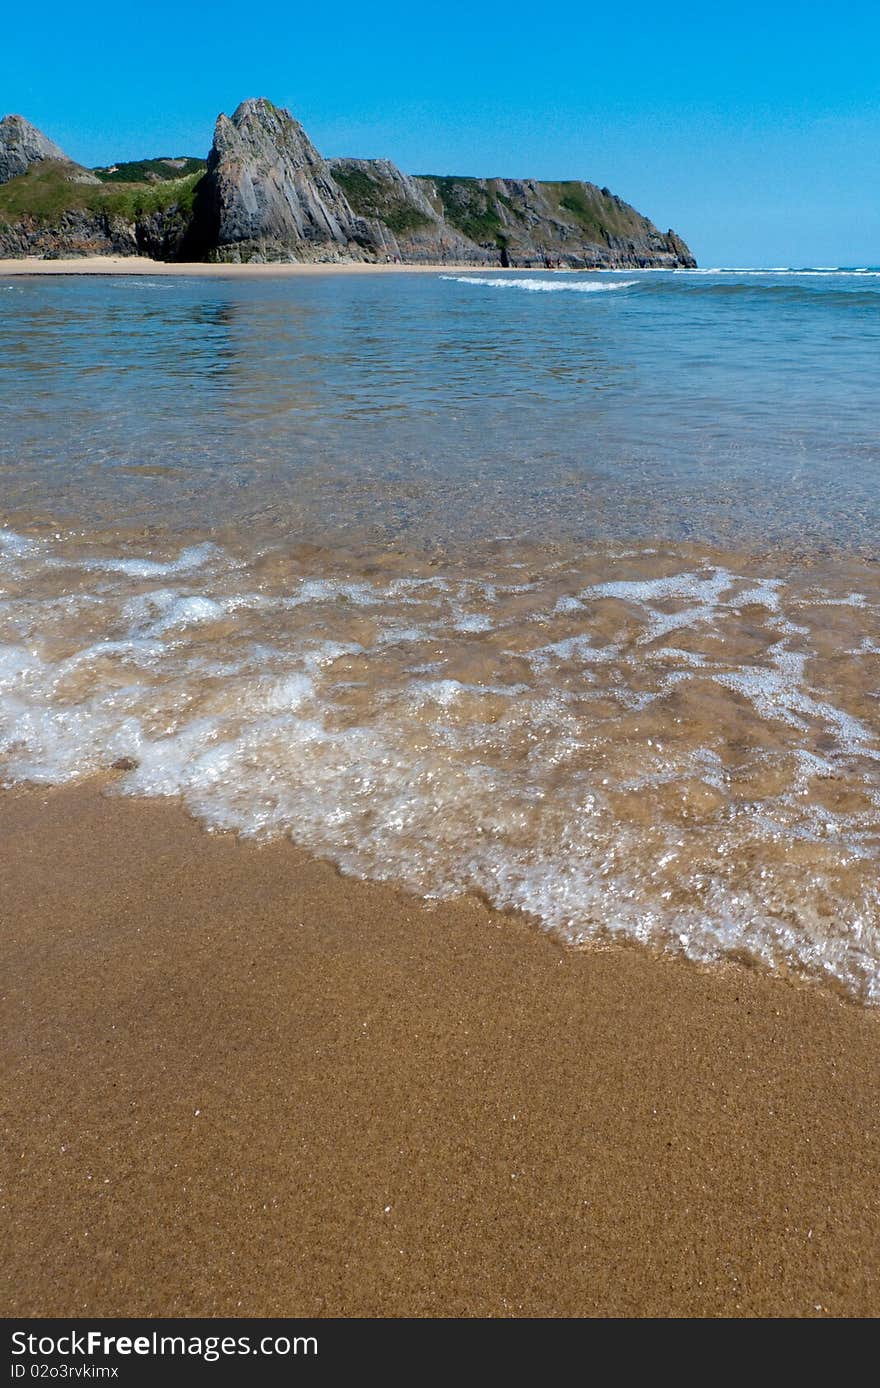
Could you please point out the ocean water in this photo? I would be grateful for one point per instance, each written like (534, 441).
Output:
(561, 589)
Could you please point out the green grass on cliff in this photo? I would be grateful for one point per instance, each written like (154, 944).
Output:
(132, 200)
(476, 209)
(46, 191)
(369, 197)
(594, 211)
(401, 218)
(470, 208)
(162, 170)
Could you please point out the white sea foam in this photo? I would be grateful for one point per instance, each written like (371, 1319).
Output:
(193, 558)
(638, 761)
(580, 648)
(13, 546)
(542, 286)
(778, 691)
(780, 271)
(707, 587)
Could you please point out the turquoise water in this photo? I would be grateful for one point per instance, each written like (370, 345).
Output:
(693, 405)
(562, 589)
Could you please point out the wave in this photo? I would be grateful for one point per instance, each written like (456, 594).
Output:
(542, 286)
(855, 289)
(660, 751)
(784, 270)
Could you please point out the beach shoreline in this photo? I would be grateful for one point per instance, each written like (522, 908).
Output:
(141, 265)
(238, 1083)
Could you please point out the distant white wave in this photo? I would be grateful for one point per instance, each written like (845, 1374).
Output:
(542, 286)
(824, 270)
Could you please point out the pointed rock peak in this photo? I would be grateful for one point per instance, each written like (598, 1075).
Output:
(22, 144)
(261, 108)
(271, 194)
(259, 125)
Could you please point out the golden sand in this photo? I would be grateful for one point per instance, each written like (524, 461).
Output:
(236, 1083)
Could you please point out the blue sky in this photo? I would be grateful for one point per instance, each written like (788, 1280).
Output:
(753, 129)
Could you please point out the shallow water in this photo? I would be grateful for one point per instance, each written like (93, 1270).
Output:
(565, 594)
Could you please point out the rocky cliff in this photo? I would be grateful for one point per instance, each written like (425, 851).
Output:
(507, 221)
(21, 145)
(526, 222)
(404, 223)
(51, 211)
(268, 194)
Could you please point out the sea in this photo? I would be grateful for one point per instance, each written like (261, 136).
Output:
(560, 589)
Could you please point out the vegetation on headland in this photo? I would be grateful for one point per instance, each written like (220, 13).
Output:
(266, 193)
(369, 197)
(596, 211)
(472, 208)
(475, 206)
(49, 189)
(161, 170)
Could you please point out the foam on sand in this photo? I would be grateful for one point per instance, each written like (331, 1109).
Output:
(623, 745)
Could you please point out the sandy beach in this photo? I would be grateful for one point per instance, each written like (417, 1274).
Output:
(439, 683)
(237, 1083)
(140, 265)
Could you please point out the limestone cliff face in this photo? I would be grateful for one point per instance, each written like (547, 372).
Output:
(72, 233)
(531, 223)
(94, 231)
(271, 196)
(479, 221)
(22, 144)
(268, 195)
(404, 223)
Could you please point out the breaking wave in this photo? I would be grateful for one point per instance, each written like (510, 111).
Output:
(644, 746)
(543, 286)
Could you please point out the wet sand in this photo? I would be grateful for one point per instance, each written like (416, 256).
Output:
(141, 265)
(237, 1083)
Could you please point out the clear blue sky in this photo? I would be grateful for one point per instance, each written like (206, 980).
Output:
(753, 129)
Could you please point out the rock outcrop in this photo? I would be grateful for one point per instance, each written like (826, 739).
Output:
(273, 197)
(74, 232)
(22, 145)
(531, 223)
(55, 209)
(268, 195)
(523, 222)
(404, 223)
(91, 231)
